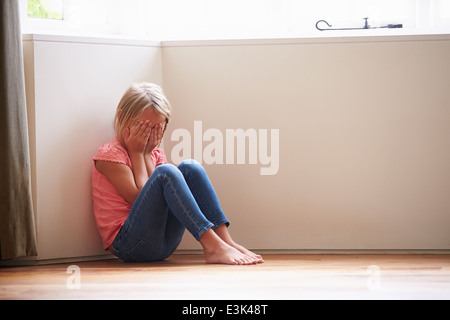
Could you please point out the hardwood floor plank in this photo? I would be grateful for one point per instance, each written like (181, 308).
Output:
(280, 277)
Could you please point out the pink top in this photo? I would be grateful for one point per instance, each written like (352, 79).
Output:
(110, 208)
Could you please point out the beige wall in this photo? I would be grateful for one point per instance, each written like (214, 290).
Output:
(364, 135)
(73, 87)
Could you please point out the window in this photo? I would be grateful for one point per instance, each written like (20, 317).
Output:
(219, 19)
(45, 9)
(75, 17)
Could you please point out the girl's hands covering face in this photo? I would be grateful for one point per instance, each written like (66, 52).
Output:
(136, 137)
(156, 134)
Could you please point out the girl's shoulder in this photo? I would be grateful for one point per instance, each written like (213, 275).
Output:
(112, 151)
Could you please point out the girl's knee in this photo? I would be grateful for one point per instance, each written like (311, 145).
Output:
(167, 170)
(188, 162)
(190, 165)
(166, 167)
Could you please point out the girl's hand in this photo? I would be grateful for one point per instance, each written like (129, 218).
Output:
(156, 134)
(136, 137)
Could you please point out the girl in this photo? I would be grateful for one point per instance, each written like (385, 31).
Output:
(142, 204)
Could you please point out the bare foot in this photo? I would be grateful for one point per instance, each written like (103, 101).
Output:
(222, 232)
(226, 254)
(217, 251)
(254, 256)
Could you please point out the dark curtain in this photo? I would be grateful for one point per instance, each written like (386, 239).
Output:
(17, 230)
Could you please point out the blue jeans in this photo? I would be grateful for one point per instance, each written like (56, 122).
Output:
(172, 200)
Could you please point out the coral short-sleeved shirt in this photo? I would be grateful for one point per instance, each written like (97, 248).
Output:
(110, 208)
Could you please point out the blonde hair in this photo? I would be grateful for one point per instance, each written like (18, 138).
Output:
(137, 98)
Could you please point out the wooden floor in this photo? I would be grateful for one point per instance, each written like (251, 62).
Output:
(283, 277)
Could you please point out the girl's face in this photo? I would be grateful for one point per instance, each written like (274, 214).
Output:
(153, 116)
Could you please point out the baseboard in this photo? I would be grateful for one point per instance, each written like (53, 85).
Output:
(37, 262)
(334, 251)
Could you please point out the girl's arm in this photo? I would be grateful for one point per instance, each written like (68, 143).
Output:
(121, 177)
(129, 182)
(135, 140)
(154, 141)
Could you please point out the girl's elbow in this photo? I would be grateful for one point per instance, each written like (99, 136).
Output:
(131, 196)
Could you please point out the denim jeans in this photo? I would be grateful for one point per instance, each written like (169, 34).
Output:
(172, 200)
